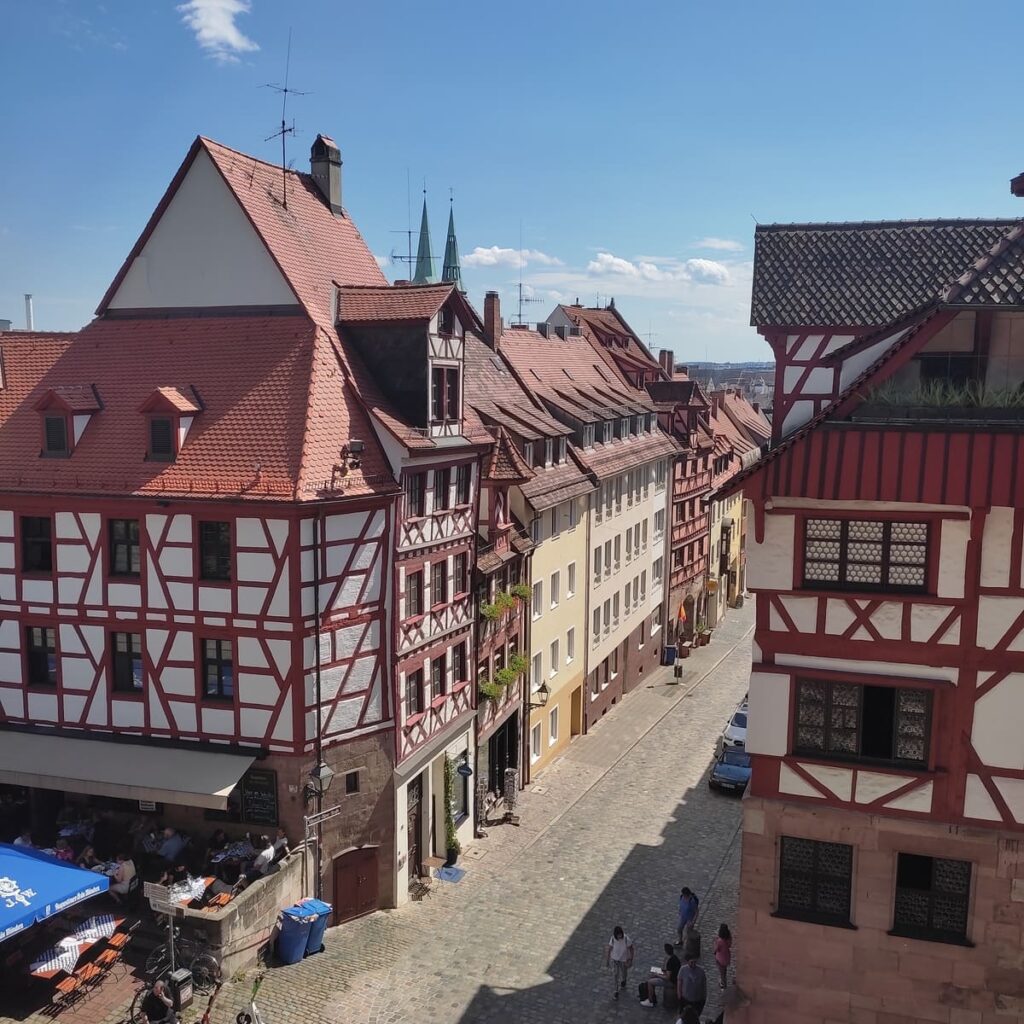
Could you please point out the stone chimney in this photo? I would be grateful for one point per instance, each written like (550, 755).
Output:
(1017, 186)
(667, 358)
(492, 320)
(325, 167)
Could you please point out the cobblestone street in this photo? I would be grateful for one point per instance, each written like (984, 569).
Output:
(608, 835)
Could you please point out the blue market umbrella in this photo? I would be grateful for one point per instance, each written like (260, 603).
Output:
(35, 886)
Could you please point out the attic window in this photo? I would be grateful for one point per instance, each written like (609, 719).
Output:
(161, 439)
(55, 435)
(445, 320)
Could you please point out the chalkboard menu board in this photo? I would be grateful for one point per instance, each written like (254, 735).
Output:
(253, 801)
(259, 797)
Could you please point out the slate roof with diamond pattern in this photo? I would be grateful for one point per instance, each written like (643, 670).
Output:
(861, 274)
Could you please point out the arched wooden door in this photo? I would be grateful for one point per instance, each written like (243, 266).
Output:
(355, 884)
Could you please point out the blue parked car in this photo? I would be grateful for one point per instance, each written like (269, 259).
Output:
(731, 771)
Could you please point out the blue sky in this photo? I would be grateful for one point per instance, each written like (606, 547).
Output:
(632, 144)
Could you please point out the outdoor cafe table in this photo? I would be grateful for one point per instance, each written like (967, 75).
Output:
(65, 954)
(187, 891)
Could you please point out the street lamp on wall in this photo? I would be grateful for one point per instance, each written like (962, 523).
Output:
(543, 694)
(320, 776)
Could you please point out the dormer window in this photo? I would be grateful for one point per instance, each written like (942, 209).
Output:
(624, 428)
(562, 446)
(528, 453)
(606, 432)
(445, 320)
(549, 446)
(65, 413)
(161, 439)
(55, 436)
(169, 412)
(444, 394)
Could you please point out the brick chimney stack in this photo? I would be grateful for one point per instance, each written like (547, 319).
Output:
(667, 358)
(492, 320)
(1017, 186)
(325, 168)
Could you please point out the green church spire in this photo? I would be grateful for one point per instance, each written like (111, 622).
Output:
(424, 258)
(451, 271)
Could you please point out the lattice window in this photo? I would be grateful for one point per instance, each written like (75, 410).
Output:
(865, 554)
(864, 723)
(932, 898)
(814, 880)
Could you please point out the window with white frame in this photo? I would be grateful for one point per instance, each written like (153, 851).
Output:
(556, 581)
(538, 599)
(570, 645)
(554, 659)
(549, 451)
(629, 544)
(643, 585)
(656, 620)
(553, 727)
(618, 550)
(659, 523)
(528, 453)
(642, 638)
(536, 530)
(607, 558)
(556, 528)
(595, 631)
(657, 570)
(538, 671)
(535, 744)
(574, 514)
(608, 490)
(618, 494)
(642, 543)
(596, 505)
(570, 580)
(607, 615)
(562, 448)
(615, 608)
(597, 562)
(629, 489)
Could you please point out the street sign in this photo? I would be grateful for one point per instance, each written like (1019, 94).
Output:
(153, 890)
(312, 820)
(160, 906)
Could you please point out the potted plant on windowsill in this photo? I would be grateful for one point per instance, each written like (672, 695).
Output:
(452, 845)
(490, 689)
(520, 591)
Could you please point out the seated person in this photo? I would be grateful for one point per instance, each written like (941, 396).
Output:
(667, 978)
(281, 845)
(158, 1005)
(264, 858)
(172, 843)
(123, 875)
(88, 859)
(174, 875)
(24, 839)
(63, 851)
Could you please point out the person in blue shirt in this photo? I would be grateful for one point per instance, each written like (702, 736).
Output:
(172, 844)
(688, 909)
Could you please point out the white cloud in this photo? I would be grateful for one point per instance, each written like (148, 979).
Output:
(383, 262)
(695, 271)
(721, 244)
(496, 256)
(213, 22)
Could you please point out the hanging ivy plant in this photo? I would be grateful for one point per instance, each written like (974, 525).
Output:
(521, 591)
(490, 612)
(490, 690)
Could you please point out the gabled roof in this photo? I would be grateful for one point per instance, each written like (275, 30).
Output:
(998, 277)
(172, 399)
(313, 248)
(860, 274)
(71, 397)
(277, 410)
(503, 464)
(371, 304)
(609, 329)
(751, 421)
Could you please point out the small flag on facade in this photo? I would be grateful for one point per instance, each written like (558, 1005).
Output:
(682, 613)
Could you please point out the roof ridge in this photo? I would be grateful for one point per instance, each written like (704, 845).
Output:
(851, 224)
(956, 288)
(206, 141)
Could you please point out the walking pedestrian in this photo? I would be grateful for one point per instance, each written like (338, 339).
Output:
(723, 953)
(689, 907)
(692, 988)
(619, 953)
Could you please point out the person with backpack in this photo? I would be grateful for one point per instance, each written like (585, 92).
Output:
(619, 954)
(689, 908)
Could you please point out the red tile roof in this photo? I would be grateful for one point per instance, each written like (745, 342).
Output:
(754, 424)
(410, 302)
(313, 248)
(608, 330)
(277, 409)
(181, 400)
(73, 397)
(504, 464)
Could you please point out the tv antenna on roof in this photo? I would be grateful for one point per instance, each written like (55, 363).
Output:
(408, 257)
(527, 298)
(285, 130)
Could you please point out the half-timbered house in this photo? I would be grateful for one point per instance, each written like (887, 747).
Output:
(882, 836)
(196, 530)
(411, 340)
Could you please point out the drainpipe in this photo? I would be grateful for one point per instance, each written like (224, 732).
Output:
(318, 745)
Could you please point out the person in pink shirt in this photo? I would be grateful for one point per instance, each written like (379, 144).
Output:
(723, 952)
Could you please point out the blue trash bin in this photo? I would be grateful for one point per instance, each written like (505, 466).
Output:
(668, 654)
(315, 942)
(294, 934)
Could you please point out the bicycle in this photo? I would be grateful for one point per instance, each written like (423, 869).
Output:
(191, 951)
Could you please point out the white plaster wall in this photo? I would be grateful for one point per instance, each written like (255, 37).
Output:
(978, 803)
(768, 720)
(996, 734)
(795, 785)
(855, 364)
(770, 563)
(1012, 791)
(995, 549)
(955, 534)
(838, 781)
(872, 786)
(995, 617)
(919, 800)
(202, 252)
